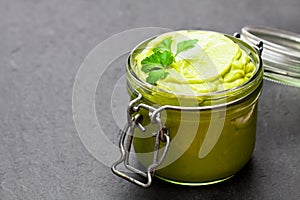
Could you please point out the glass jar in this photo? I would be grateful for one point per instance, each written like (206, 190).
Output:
(186, 138)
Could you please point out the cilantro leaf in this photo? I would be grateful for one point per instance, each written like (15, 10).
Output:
(166, 58)
(157, 60)
(149, 68)
(165, 45)
(155, 65)
(155, 75)
(185, 45)
(150, 63)
(162, 57)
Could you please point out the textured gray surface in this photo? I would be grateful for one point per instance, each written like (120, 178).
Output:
(42, 44)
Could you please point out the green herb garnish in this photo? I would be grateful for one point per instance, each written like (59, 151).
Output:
(162, 57)
(156, 65)
(185, 45)
(165, 45)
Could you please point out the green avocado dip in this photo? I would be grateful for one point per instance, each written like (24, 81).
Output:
(212, 63)
(219, 75)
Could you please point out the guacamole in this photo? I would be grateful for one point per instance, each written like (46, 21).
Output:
(214, 63)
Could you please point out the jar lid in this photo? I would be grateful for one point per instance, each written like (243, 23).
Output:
(281, 53)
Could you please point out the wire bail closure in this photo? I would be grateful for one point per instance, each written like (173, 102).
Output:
(134, 121)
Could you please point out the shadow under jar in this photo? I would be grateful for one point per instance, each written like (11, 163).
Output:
(190, 139)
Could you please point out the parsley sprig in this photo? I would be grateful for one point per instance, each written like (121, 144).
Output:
(162, 58)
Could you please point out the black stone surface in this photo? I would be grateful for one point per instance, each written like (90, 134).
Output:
(42, 44)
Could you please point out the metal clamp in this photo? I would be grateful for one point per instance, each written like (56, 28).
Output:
(127, 135)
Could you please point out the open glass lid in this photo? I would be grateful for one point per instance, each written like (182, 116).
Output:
(281, 53)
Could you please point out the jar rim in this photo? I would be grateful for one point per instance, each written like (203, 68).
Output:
(253, 52)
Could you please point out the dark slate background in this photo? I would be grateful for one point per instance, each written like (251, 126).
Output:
(42, 44)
